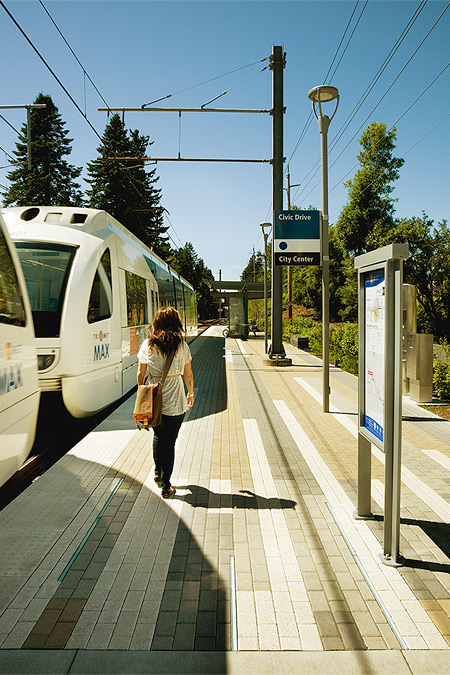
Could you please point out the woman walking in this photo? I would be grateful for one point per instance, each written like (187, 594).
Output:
(165, 337)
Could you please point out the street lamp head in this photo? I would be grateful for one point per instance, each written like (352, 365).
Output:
(266, 226)
(323, 94)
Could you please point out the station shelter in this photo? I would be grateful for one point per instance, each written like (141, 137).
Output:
(235, 295)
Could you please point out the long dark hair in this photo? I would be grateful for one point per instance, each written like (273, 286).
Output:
(166, 331)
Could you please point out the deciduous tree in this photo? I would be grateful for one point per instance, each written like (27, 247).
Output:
(428, 268)
(369, 212)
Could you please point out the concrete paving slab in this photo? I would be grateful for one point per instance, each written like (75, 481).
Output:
(264, 478)
(35, 662)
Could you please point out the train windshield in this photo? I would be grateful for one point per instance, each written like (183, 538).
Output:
(46, 267)
(12, 309)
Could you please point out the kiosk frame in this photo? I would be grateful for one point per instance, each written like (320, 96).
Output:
(380, 279)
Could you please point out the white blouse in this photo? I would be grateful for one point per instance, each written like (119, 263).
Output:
(173, 394)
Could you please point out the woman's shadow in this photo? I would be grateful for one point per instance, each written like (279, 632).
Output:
(202, 497)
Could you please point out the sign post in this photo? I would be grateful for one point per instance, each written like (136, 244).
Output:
(297, 238)
(380, 276)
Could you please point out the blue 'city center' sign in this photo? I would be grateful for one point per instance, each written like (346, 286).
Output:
(297, 238)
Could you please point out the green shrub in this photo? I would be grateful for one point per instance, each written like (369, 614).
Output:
(441, 379)
(304, 325)
(343, 340)
(344, 346)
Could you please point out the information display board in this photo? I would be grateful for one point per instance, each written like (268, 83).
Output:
(374, 356)
(380, 278)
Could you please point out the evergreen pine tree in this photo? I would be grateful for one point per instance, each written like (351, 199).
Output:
(186, 262)
(51, 180)
(126, 189)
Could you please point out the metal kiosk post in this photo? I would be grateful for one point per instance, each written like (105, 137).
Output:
(380, 277)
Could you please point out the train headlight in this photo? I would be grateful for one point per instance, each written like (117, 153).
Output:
(47, 359)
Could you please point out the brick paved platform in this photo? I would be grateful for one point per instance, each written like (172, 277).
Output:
(256, 564)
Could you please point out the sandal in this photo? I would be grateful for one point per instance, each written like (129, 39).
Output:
(165, 494)
(157, 480)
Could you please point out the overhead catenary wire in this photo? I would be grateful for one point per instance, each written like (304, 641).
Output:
(235, 86)
(166, 215)
(9, 124)
(35, 49)
(7, 153)
(132, 183)
(73, 53)
(200, 84)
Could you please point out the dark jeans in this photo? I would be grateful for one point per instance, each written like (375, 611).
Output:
(165, 435)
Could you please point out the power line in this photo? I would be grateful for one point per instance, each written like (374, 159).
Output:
(310, 116)
(372, 84)
(369, 88)
(398, 120)
(348, 41)
(428, 133)
(380, 71)
(393, 82)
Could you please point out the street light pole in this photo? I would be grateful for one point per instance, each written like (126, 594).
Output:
(289, 269)
(265, 226)
(320, 95)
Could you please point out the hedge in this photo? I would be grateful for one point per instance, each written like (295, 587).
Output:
(344, 349)
(343, 340)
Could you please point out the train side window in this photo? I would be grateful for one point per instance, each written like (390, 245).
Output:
(12, 309)
(137, 302)
(100, 301)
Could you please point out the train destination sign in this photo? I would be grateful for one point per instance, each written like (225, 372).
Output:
(297, 238)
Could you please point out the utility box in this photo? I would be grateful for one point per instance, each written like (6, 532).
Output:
(419, 366)
(409, 325)
(300, 341)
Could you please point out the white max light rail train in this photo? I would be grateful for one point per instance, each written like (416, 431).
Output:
(93, 289)
(19, 392)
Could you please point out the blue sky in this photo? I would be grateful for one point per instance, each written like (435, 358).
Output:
(138, 51)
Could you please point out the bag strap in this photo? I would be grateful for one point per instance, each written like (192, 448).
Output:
(169, 360)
